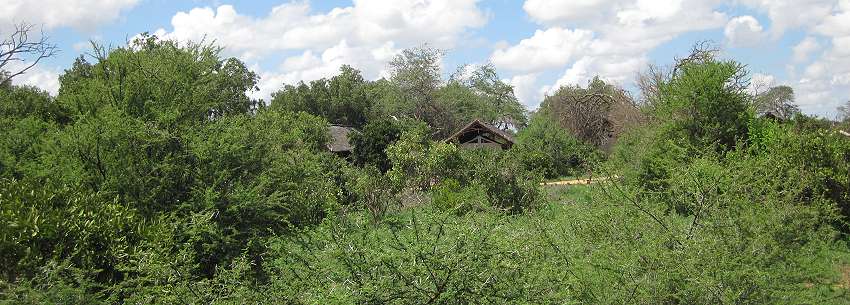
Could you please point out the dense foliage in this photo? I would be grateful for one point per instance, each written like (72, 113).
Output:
(546, 148)
(153, 178)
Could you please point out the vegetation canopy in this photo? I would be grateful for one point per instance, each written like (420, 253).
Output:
(154, 178)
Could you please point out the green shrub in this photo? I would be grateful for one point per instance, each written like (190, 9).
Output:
(450, 196)
(44, 222)
(510, 187)
(375, 192)
(707, 102)
(418, 163)
(547, 148)
(426, 258)
(370, 144)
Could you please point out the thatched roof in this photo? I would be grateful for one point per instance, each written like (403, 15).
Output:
(479, 125)
(339, 138)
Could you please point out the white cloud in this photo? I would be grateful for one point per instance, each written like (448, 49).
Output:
(308, 66)
(805, 48)
(744, 31)
(549, 11)
(790, 14)
(825, 82)
(80, 14)
(38, 76)
(365, 35)
(526, 89)
(611, 39)
(292, 26)
(545, 49)
(761, 82)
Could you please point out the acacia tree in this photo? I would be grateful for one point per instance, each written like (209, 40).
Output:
(416, 72)
(20, 52)
(777, 100)
(499, 104)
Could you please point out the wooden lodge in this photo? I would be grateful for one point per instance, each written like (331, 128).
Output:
(478, 134)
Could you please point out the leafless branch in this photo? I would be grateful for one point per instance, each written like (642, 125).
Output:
(20, 47)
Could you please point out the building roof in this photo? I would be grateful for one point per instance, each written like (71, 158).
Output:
(339, 138)
(480, 124)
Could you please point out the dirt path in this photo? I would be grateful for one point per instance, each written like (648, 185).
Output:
(577, 181)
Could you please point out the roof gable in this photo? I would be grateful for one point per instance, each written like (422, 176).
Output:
(481, 125)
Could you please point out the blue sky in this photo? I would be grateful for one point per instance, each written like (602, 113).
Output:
(537, 45)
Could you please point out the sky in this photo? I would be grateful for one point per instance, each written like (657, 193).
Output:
(536, 45)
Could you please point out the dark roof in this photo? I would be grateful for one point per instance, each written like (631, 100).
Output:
(339, 138)
(494, 129)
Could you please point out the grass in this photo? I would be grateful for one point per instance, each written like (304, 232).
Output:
(568, 194)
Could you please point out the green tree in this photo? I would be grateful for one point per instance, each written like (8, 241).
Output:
(707, 100)
(370, 144)
(160, 82)
(27, 117)
(545, 147)
(499, 105)
(342, 99)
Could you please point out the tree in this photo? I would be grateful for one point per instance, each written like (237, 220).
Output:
(371, 143)
(20, 48)
(417, 74)
(844, 112)
(500, 106)
(777, 100)
(594, 114)
(546, 148)
(161, 82)
(342, 99)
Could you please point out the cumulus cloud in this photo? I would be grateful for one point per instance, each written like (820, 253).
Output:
(790, 14)
(292, 26)
(38, 76)
(805, 48)
(611, 38)
(526, 89)
(825, 82)
(548, 11)
(545, 49)
(365, 35)
(744, 31)
(80, 14)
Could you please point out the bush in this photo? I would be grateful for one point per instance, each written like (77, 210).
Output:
(509, 186)
(370, 144)
(544, 147)
(418, 163)
(375, 192)
(427, 258)
(708, 102)
(449, 196)
(43, 222)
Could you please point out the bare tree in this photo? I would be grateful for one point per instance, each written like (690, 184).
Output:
(20, 47)
(595, 114)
